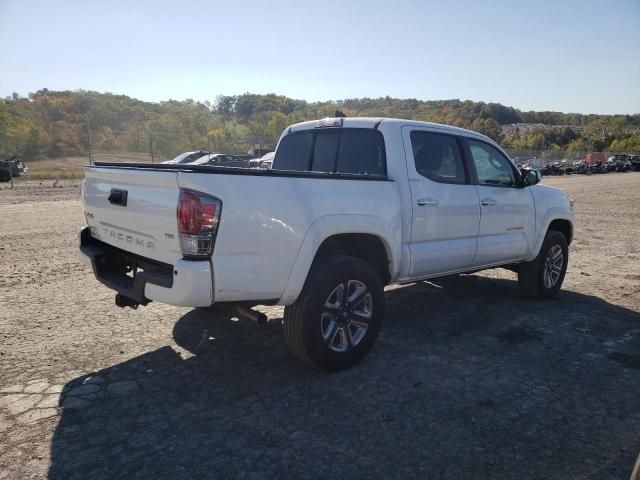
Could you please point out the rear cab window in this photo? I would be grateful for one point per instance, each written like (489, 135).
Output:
(356, 151)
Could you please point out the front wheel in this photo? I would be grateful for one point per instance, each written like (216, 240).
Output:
(543, 276)
(336, 319)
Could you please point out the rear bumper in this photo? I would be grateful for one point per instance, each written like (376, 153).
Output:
(187, 283)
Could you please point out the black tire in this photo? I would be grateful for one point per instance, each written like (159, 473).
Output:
(531, 275)
(305, 319)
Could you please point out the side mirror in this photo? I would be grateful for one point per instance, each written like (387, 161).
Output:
(531, 177)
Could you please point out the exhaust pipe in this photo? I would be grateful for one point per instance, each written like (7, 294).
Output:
(258, 317)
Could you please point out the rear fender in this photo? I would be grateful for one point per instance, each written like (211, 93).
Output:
(330, 225)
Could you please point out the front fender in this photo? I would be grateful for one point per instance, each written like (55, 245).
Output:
(327, 226)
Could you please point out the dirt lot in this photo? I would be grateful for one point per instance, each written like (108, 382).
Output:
(467, 380)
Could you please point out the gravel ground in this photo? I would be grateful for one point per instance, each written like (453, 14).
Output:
(467, 379)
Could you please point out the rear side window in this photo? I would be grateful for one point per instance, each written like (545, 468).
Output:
(349, 150)
(438, 157)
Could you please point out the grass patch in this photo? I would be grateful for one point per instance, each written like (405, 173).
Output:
(73, 167)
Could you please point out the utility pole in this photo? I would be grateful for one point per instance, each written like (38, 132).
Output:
(151, 146)
(90, 140)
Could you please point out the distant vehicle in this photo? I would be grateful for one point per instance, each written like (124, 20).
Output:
(622, 162)
(259, 152)
(592, 158)
(12, 167)
(188, 157)
(266, 161)
(611, 166)
(554, 168)
(619, 158)
(5, 172)
(220, 160)
(634, 160)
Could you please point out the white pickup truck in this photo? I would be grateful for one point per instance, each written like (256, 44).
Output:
(351, 205)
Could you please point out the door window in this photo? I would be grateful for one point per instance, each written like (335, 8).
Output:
(438, 157)
(492, 167)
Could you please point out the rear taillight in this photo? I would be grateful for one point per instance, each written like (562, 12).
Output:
(198, 217)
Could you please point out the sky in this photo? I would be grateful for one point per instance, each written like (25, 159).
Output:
(559, 55)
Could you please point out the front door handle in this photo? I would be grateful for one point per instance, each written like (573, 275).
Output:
(488, 202)
(427, 202)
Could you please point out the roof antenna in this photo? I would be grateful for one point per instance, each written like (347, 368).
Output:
(340, 114)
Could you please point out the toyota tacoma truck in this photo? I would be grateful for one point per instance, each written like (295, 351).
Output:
(351, 205)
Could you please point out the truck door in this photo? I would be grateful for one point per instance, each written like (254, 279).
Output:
(507, 220)
(445, 203)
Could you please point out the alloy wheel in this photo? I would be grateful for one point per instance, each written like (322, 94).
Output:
(553, 266)
(345, 316)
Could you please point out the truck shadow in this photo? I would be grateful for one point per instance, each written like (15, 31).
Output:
(466, 379)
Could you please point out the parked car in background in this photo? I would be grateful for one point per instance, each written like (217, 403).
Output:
(188, 157)
(634, 160)
(259, 152)
(221, 160)
(266, 161)
(12, 167)
(622, 162)
(5, 171)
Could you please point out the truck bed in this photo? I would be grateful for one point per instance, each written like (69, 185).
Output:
(266, 217)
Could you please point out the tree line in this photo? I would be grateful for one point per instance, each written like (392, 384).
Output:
(63, 123)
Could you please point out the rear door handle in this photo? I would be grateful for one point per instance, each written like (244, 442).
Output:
(488, 202)
(427, 202)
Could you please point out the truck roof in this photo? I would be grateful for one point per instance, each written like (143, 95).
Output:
(373, 122)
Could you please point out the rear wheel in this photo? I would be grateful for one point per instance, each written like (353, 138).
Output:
(337, 317)
(543, 276)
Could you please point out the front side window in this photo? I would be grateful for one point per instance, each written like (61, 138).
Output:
(438, 157)
(492, 167)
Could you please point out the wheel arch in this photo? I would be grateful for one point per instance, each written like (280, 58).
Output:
(559, 220)
(366, 246)
(563, 226)
(362, 236)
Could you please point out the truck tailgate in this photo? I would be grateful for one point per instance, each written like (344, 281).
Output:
(134, 210)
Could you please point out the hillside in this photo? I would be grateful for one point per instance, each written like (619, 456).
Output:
(54, 124)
